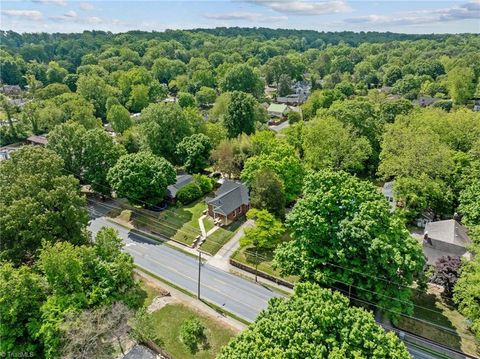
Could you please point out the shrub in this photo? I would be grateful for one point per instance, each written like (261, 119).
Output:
(445, 105)
(189, 193)
(192, 333)
(204, 182)
(293, 117)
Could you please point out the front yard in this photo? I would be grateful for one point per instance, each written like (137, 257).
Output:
(449, 326)
(167, 322)
(222, 235)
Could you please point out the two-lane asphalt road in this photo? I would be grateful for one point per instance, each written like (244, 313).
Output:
(236, 295)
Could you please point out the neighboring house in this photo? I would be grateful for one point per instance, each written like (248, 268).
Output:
(141, 352)
(182, 181)
(294, 99)
(425, 101)
(277, 110)
(231, 202)
(445, 238)
(425, 218)
(10, 90)
(387, 191)
(135, 116)
(476, 106)
(386, 90)
(39, 140)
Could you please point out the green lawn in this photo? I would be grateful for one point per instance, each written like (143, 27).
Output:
(167, 323)
(450, 327)
(246, 256)
(217, 239)
(178, 223)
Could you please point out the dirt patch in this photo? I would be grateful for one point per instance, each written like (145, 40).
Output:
(160, 302)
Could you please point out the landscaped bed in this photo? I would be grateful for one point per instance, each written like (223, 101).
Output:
(167, 322)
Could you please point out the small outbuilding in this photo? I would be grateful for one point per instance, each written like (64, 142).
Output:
(445, 238)
(182, 181)
(37, 140)
(277, 110)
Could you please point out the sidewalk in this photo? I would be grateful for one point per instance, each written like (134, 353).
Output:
(221, 259)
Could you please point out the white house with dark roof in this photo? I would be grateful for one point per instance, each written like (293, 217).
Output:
(445, 238)
(231, 202)
(181, 181)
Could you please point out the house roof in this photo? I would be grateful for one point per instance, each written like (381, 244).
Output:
(277, 107)
(229, 197)
(140, 352)
(387, 189)
(182, 181)
(448, 231)
(41, 140)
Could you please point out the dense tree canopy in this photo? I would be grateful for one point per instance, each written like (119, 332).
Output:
(38, 203)
(141, 177)
(344, 234)
(314, 323)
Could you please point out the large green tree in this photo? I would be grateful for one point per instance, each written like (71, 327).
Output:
(195, 152)
(141, 177)
(461, 84)
(240, 114)
(243, 78)
(267, 192)
(119, 118)
(38, 203)
(327, 143)
(163, 126)
(266, 232)
(314, 323)
(344, 234)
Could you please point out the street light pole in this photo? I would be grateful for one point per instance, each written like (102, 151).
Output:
(199, 269)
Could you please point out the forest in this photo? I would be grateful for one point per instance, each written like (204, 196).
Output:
(125, 113)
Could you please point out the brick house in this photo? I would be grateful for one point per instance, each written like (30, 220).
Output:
(231, 202)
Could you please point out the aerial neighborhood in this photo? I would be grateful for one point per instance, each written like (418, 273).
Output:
(238, 192)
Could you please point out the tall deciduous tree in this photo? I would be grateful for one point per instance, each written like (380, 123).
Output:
(195, 151)
(315, 323)
(268, 193)
(327, 143)
(141, 177)
(240, 114)
(119, 117)
(461, 84)
(344, 234)
(38, 203)
(267, 231)
(163, 126)
(243, 78)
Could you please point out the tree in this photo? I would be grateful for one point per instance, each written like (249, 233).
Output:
(38, 203)
(240, 114)
(100, 153)
(416, 195)
(327, 143)
(55, 73)
(141, 177)
(22, 292)
(119, 118)
(139, 98)
(294, 117)
(392, 75)
(163, 126)
(409, 150)
(266, 233)
(461, 84)
(283, 161)
(192, 333)
(446, 272)
(95, 90)
(242, 78)
(165, 69)
(465, 292)
(267, 193)
(470, 203)
(230, 155)
(344, 234)
(189, 193)
(205, 96)
(195, 151)
(284, 86)
(92, 334)
(314, 323)
(186, 99)
(143, 327)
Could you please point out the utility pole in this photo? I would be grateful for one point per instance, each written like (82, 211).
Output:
(256, 264)
(199, 269)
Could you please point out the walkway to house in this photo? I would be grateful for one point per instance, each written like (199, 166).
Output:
(222, 258)
(202, 226)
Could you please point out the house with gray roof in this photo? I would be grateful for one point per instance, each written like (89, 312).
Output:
(387, 191)
(181, 181)
(445, 238)
(230, 203)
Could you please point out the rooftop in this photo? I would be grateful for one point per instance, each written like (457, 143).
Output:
(277, 107)
(448, 231)
(229, 197)
(182, 181)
